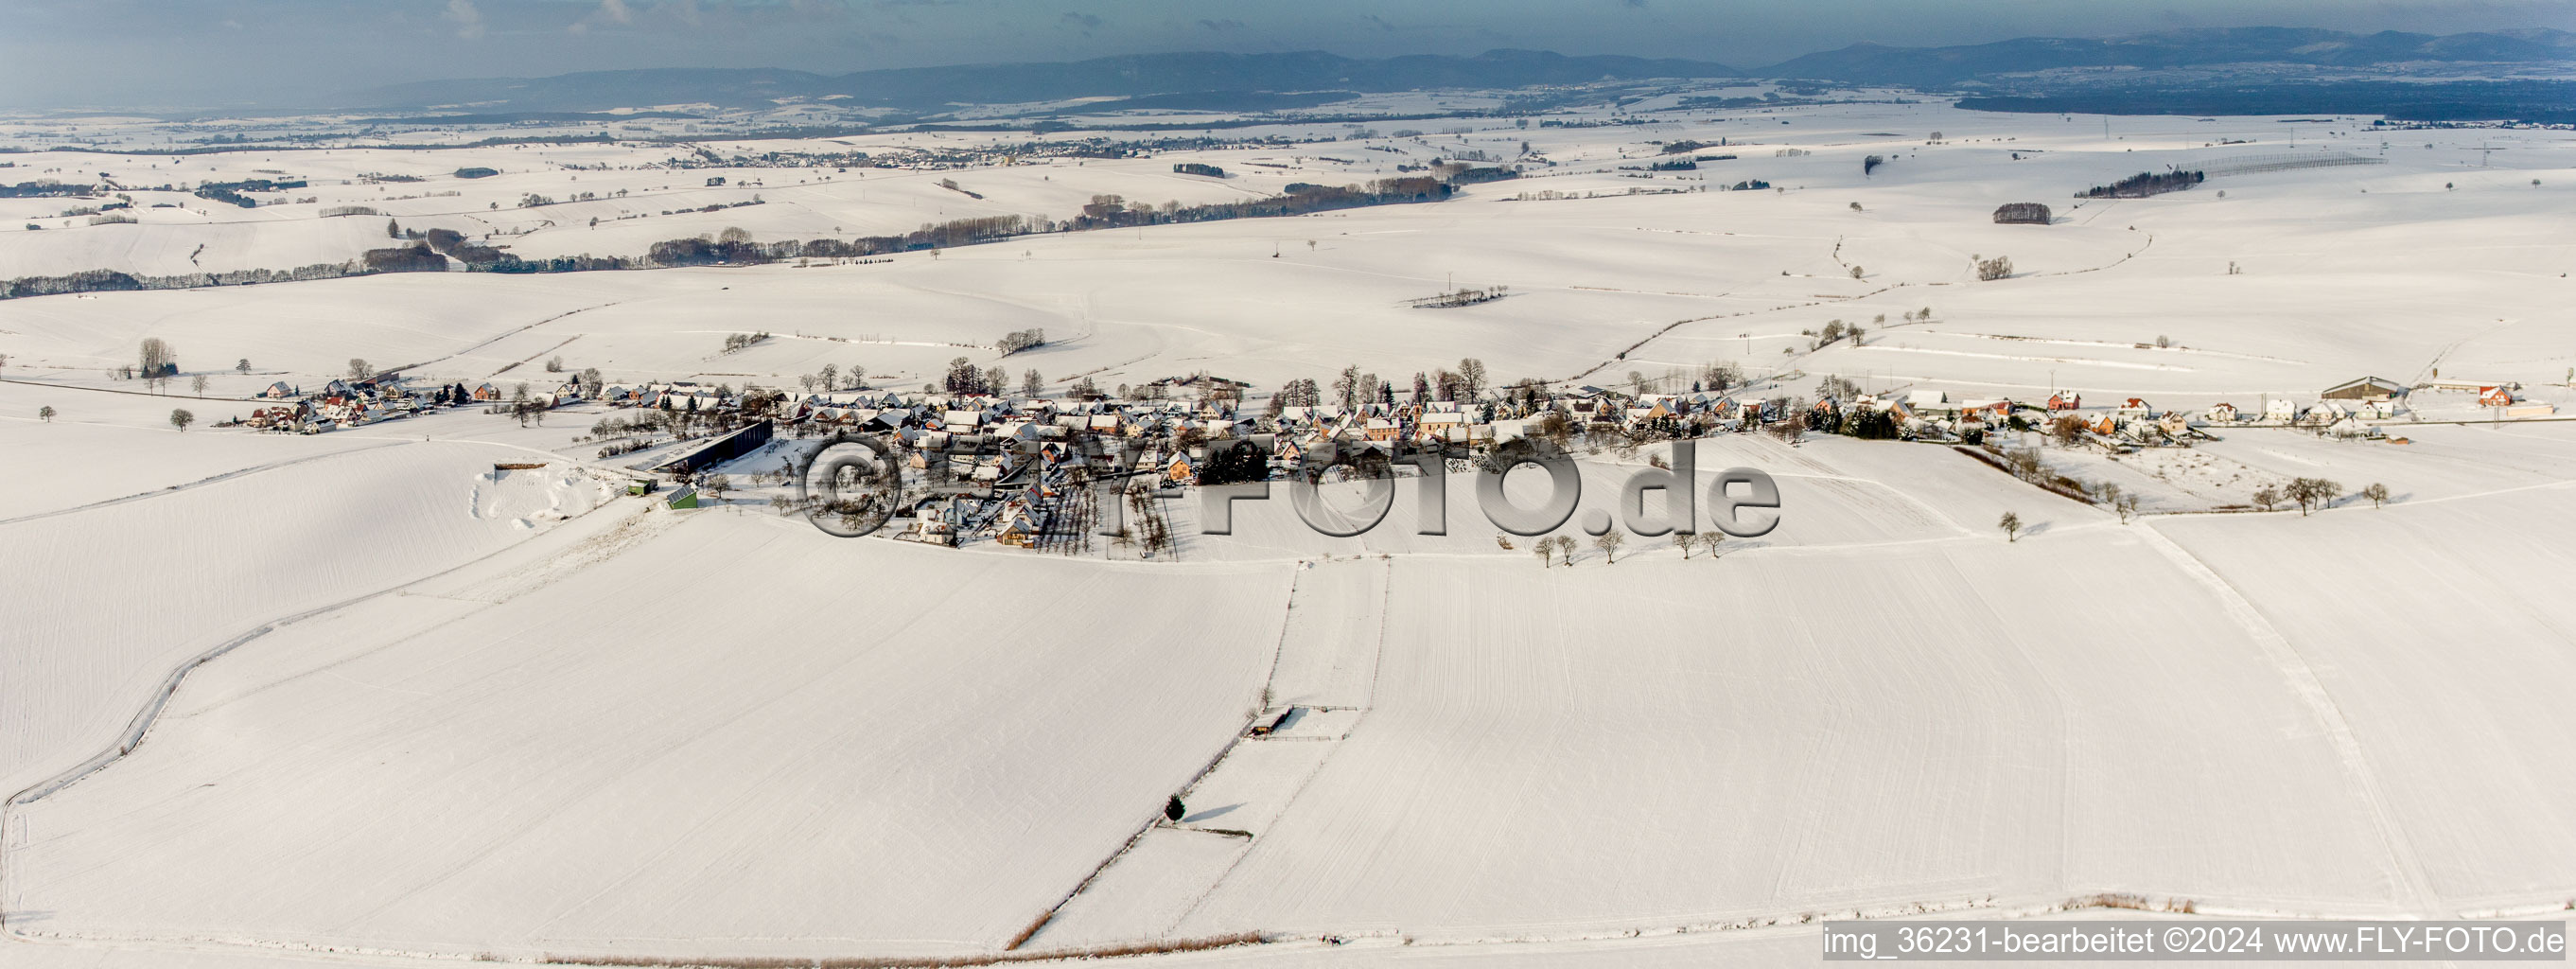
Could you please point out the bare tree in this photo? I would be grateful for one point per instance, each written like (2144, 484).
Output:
(198, 383)
(1995, 268)
(2377, 493)
(1031, 385)
(2267, 496)
(156, 357)
(1609, 543)
(1546, 549)
(1710, 541)
(2312, 493)
(715, 485)
(45, 413)
(181, 419)
(2011, 524)
(359, 369)
(1471, 378)
(2127, 506)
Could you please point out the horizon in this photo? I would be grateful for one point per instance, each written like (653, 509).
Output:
(262, 54)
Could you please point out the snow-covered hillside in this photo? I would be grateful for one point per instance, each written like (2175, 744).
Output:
(367, 697)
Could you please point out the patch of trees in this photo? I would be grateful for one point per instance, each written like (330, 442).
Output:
(232, 191)
(220, 194)
(2022, 213)
(415, 258)
(1018, 340)
(1870, 164)
(1198, 168)
(1496, 173)
(700, 251)
(86, 281)
(1678, 147)
(1989, 270)
(476, 172)
(43, 189)
(108, 280)
(2144, 184)
(1749, 185)
(965, 378)
(1111, 211)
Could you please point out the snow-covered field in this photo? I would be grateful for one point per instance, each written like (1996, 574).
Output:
(433, 710)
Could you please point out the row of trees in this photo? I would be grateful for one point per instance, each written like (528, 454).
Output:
(734, 246)
(965, 378)
(1018, 340)
(2144, 184)
(1551, 549)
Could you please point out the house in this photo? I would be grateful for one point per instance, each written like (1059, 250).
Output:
(1180, 471)
(2280, 409)
(1449, 426)
(1382, 429)
(2134, 406)
(486, 391)
(2221, 413)
(2495, 397)
(2365, 388)
(2065, 400)
(278, 390)
(1017, 530)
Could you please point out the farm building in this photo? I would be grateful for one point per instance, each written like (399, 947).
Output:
(2365, 388)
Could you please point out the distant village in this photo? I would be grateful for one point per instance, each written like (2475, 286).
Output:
(1023, 469)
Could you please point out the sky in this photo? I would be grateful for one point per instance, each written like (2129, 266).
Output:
(198, 53)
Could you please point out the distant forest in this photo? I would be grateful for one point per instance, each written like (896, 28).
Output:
(2537, 102)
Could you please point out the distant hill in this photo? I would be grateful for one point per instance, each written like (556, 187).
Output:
(1940, 67)
(1250, 82)
(1144, 76)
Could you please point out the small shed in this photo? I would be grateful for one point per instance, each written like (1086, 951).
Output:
(684, 498)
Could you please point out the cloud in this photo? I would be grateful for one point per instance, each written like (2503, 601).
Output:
(1221, 26)
(469, 21)
(615, 11)
(1081, 21)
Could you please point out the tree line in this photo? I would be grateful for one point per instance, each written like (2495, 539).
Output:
(430, 251)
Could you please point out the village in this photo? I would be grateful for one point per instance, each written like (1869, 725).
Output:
(1024, 470)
